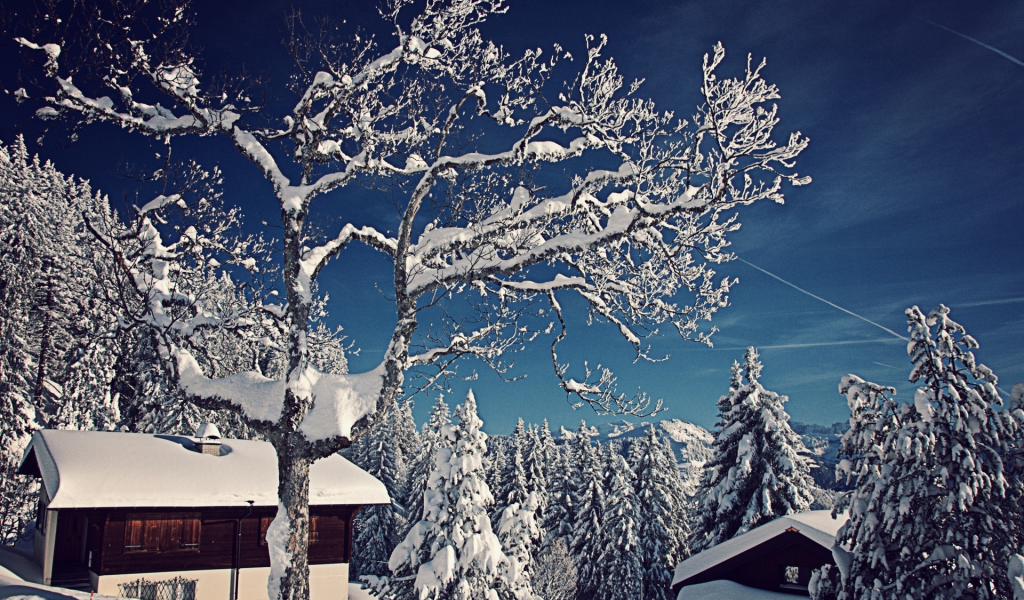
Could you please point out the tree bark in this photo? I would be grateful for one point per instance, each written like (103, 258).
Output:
(293, 494)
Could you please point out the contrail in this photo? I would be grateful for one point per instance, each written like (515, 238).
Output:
(849, 312)
(885, 365)
(978, 42)
(988, 302)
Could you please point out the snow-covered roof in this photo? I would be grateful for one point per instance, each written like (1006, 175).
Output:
(103, 469)
(722, 589)
(816, 525)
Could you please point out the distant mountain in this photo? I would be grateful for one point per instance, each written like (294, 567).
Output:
(692, 444)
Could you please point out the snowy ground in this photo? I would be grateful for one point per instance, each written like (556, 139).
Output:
(356, 592)
(728, 590)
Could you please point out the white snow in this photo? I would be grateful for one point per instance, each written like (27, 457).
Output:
(816, 525)
(338, 400)
(92, 469)
(356, 592)
(728, 590)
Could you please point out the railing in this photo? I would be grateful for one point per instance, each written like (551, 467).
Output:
(178, 588)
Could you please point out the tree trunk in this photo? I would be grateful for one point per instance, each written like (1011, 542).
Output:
(293, 495)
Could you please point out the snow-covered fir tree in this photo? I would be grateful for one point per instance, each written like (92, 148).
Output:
(587, 487)
(559, 516)
(660, 515)
(57, 348)
(511, 482)
(377, 527)
(757, 473)
(520, 537)
(431, 438)
(405, 435)
(620, 575)
(932, 512)
(452, 552)
(540, 459)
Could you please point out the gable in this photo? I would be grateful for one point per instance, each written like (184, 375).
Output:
(761, 565)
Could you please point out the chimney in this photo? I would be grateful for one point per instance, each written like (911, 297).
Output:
(208, 439)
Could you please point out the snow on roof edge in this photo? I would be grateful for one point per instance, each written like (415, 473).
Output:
(811, 524)
(164, 471)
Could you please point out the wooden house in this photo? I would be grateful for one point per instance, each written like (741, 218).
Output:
(164, 516)
(776, 557)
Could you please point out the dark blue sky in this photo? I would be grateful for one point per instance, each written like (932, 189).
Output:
(917, 155)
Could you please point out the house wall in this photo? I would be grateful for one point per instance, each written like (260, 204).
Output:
(326, 582)
(218, 539)
(766, 572)
(763, 566)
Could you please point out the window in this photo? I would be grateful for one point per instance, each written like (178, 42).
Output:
(265, 524)
(794, 579)
(791, 575)
(161, 532)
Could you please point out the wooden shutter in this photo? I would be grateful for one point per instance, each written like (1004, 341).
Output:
(190, 532)
(133, 534)
(264, 525)
(170, 533)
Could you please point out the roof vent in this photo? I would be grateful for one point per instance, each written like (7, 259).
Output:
(208, 439)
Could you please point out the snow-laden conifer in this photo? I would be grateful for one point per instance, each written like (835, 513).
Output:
(431, 438)
(520, 536)
(659, 515)
(559, 516)
(588, 499)
(511, 481)
(932, 512)
(620, 569)
(377, 527)
(757, 473)
(452, 552)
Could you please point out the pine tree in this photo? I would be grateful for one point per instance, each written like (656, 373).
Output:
(559, 515)
(588, 498)
(520, 535)
(452, 553)
(682, 503)
(621, 572)
(377, 526)
(657, 508)
(757, 472)
(512, 484)
(932, 511)
(431, 439)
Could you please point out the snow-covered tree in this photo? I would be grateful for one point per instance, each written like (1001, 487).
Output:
(757, 473)
(931, 514)
(620, 569)
(587, 487)
(559, 515)
(554, 575)
(377, 527)
(520, 536)
(431, 439)
(645, 208)
(452, 552)
(511, 481)
(661, 513)
(1015, 574)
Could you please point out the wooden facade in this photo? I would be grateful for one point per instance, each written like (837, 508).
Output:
(139, 540)
(782, 564)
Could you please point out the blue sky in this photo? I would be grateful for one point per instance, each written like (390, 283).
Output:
(917, 155)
